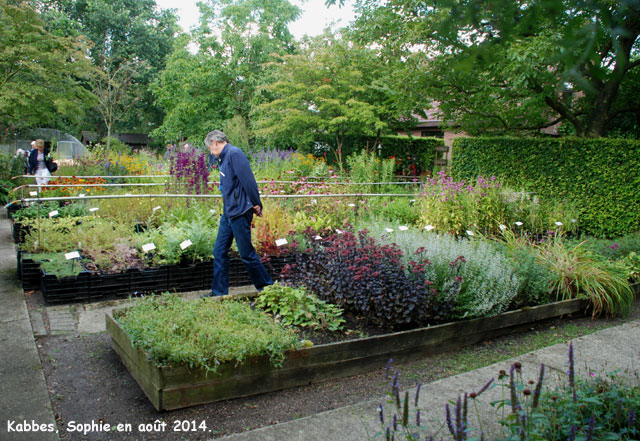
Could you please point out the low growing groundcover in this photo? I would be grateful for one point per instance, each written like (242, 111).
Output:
(204, 333)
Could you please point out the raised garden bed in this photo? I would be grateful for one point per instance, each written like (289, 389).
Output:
(174, 387)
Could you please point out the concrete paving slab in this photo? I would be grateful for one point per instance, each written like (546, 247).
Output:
(603, 352)
(25, 401)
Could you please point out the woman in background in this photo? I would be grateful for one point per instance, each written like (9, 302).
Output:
(37, 163)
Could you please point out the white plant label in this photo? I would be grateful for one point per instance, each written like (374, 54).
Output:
(186, 244)
(148, 247)
(573, 221)
(502, 227)
(212, 211)
(519, 223)
(314, 201)
(429, 227)
(72, 255)
(559, 224)
(318, 238)
(352, 205)
(388, 230)
(53, 213)
(156, 208)
(338, 231)
(403, 228)
(81, 195)
(93, 209)
(33, 193)
(470, 233)
(281, 242)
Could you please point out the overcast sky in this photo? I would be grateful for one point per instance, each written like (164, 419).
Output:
(315, 17)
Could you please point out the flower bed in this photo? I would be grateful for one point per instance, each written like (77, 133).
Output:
(173, 387)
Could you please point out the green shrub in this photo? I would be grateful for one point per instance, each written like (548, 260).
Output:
(614, 249)
(204, 333)
(296, 306)
(600, 176)
(367, 167)
(535, 279)
(412, 156)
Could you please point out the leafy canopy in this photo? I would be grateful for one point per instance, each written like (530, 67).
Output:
(512, 65)
(40, 72)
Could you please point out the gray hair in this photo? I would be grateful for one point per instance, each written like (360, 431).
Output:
(215, 136)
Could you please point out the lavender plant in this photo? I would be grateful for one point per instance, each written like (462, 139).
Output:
(489, 283)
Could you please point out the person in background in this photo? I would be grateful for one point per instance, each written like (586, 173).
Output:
(23, 155)
(37, 163)
(241, 201)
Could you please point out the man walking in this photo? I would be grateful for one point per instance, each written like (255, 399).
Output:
(241, 201)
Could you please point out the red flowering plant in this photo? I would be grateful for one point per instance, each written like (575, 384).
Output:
(368, 279)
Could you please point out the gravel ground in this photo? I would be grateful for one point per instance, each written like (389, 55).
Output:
(88, 383)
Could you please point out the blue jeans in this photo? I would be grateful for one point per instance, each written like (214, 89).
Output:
(238, 228)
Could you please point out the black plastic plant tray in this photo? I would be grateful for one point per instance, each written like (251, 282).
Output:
(65, 289)
(29, 272)
(149, 280)
(106, 286)
(186, 278)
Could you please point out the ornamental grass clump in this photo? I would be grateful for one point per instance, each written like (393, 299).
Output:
(579, 273)
(203, 333)
(369, 280)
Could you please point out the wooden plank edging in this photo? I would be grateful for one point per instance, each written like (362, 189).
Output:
(173, 387)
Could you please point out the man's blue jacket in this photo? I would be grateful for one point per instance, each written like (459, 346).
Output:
(237, 183)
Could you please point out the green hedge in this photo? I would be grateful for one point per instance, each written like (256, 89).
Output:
(419, 152)
(602, 176)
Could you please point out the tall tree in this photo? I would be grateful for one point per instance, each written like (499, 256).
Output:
(512, 64)
(332, 89)
(40, 73)
(215, 86)
(122, 32)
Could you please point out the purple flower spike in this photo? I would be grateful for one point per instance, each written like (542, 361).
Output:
(417, 394)
(572, 373)
(387, 367)
(449, 422)
(381, 413)
(590, 428)
(395, 422)
(485, 387)
(632, 417)
(418, 418)
(538, 389)
(572, 433)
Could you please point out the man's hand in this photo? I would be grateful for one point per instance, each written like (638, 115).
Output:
(257, 210)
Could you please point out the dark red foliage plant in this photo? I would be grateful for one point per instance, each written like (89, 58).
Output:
(369, 280)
